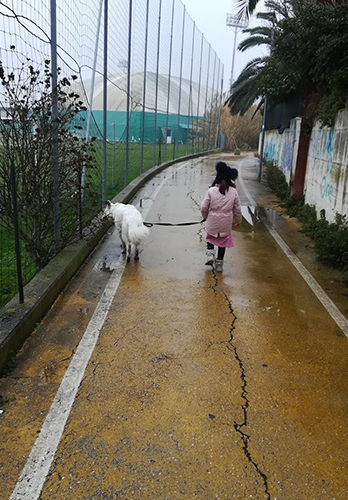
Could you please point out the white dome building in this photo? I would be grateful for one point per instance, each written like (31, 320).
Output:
(190, 109)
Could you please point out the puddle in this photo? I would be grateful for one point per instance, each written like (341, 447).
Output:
(111, 252)
(250, 218)
(274, 217)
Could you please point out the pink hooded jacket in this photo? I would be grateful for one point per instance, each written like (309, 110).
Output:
(221, 211)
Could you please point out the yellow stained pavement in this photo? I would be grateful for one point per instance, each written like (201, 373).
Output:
(229, 387)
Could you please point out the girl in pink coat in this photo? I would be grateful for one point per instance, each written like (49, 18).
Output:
(221, 208)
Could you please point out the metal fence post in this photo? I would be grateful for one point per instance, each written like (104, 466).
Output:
(128, 89)
(144, 87)
(157, 75)
(220, 108)
(212, 104)
(169, 79)
(105, 102)
(206, 99)
(91, 95)
(55, 146)
(16, 231)
(80, 163)
(180, 82)
(216, 104)
(159, 151)
(190, 93)
(113, 155)
(199, 90)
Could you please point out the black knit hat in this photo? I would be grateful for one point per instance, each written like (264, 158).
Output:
(224, 172)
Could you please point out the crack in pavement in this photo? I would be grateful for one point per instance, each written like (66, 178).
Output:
(244, 424)
(94, 371)
(211, 344)
(192, 198)
(216, 281)
(199, 232)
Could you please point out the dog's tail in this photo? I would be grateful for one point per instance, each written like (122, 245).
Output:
(137, 234)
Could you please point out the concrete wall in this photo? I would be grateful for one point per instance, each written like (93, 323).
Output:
(283, 148)
(326, 184)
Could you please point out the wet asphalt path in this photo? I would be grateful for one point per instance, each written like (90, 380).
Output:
(227, 387)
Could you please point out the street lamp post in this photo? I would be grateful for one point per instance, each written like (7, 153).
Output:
(237, 24)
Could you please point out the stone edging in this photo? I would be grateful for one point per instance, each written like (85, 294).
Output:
(17, 321)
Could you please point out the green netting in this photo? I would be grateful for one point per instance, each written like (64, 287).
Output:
(116, 123)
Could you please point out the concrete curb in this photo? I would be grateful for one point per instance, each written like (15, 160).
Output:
(17, 321)
(133, 187)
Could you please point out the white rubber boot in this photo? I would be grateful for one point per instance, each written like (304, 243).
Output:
(219, 265)
(210, 257)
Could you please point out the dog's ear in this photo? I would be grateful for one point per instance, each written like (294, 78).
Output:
(108, 203)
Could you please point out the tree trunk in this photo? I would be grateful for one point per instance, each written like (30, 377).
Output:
(301, 165)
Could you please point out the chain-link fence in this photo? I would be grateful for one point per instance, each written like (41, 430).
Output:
(92, 94)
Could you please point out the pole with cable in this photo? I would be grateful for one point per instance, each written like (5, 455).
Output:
(157, 78)
(105, 102)
(220, 108)
(264, 118)
(238, 23)
(169, 79)
(212, 102)
(128, 89)
(54, 114)
(190, 93)
(199, 90)
(206, 98)
(91, 95)
(180, 81)
(144, 87)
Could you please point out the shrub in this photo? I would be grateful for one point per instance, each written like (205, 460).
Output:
(276, 180)
(345, 277)
(27, 142)
(331, 239)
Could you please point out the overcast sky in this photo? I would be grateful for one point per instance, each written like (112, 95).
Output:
(210, 17)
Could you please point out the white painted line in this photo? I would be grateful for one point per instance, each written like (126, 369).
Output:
(34, 473)
(252, 202)
(330, 307)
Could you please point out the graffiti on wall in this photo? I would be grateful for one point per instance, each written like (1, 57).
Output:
(287, 150)
(326, 187)
(270, 151)
(327, 168)
(279, 148)
(326, 184)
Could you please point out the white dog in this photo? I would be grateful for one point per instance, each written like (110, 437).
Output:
(129, 223)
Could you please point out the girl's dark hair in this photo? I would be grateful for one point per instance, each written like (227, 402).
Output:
(223, 187)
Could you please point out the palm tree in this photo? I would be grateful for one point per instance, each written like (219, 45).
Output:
(247, 7)
(245, 90)
(268, 32)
